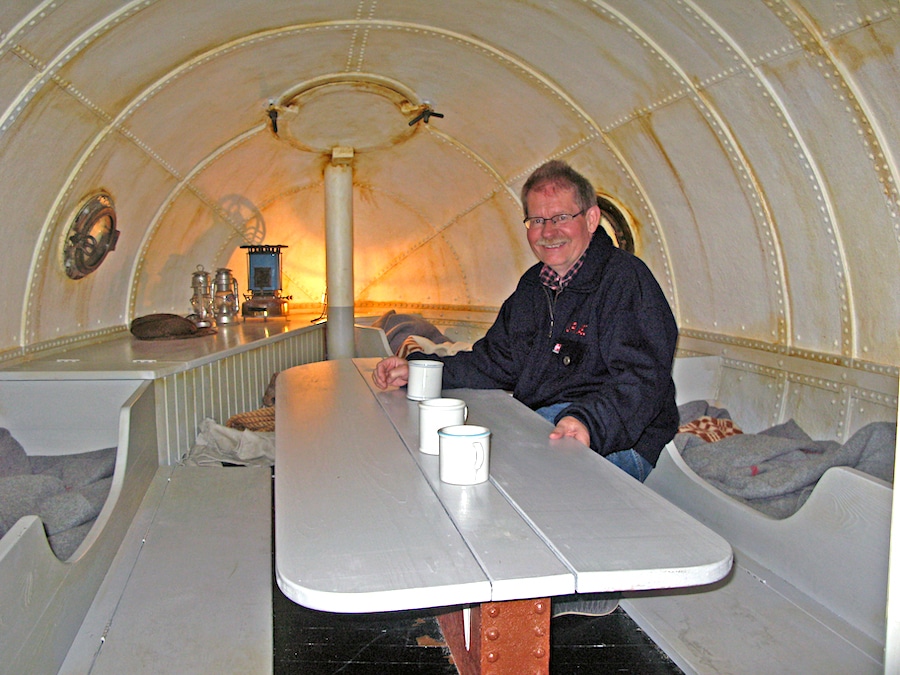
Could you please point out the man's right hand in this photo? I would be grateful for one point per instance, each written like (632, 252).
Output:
(391, 372)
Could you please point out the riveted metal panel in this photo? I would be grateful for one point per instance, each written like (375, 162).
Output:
(707, 217)
(817, 405)
(831, 124)
(865, 406)
(752, 394)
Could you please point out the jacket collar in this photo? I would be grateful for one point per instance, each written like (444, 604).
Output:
(598, 253)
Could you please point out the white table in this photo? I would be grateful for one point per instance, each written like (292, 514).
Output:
(363, 523)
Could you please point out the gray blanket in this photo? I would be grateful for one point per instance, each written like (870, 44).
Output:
(775, 470)
(67, 491)
(398, 327)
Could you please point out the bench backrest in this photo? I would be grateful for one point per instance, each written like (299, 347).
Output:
(370, 341)
(835, 548)
(830, 401)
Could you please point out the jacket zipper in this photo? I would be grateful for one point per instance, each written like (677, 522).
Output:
(551, 304)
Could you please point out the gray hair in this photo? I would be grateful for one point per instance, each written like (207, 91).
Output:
(560, 175)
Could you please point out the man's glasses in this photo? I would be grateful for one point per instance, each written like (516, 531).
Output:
(560, 219)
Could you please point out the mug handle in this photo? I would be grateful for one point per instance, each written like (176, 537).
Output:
(479, 455)
(465, 413)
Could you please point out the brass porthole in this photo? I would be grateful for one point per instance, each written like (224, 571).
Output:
(91, 235)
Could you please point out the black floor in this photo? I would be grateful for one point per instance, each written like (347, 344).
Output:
(319, 643)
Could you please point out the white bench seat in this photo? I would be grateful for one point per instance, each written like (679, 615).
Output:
(807, 594)
(190, 588)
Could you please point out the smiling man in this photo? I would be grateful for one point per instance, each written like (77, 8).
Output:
(586, 339)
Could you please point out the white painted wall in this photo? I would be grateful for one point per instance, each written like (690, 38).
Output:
(755, 143)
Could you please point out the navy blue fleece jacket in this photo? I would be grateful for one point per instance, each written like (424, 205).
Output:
(605, 343)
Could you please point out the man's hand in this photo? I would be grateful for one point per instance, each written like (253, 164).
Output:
(569, 427)
(391, 372)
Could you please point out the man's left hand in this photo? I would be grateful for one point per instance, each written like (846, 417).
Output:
(569, 427)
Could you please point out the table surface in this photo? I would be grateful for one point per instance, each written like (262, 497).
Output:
(364, 524)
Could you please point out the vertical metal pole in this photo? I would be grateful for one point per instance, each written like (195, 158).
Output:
(339, 253)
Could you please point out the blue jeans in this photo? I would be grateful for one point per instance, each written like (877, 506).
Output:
(628, 460)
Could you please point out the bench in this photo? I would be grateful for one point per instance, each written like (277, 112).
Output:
(43, 599)
(190, 589)
(150, 573)
(807, 594)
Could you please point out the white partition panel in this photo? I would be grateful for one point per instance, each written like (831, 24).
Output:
(222, 388)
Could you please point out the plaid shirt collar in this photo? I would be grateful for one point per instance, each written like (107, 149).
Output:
(554, 282)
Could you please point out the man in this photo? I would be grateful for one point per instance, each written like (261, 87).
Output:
(586, 339)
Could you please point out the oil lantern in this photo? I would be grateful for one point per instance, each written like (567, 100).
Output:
(264, 298)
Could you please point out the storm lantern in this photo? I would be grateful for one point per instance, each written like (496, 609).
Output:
(264, 297)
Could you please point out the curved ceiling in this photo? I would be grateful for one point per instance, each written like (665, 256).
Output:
(755, 145)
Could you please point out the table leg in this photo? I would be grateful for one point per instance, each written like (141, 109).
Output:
(507, 638)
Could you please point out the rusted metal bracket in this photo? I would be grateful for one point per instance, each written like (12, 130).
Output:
(506, 638)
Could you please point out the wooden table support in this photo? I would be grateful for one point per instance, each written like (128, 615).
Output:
(505, 638)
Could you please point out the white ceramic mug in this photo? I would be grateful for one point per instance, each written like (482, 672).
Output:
(434, 414)
(465, 454)
(424, 380)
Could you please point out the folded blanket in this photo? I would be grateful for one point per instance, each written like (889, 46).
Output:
(13, 460)
(67, 492)
(710, 429)
(20, 496)
(398, 327)
(417, 343)
(698, 417)
(775, 470)
(65, 510)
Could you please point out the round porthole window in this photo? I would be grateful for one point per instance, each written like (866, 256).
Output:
(615, 222)
(91, 236)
